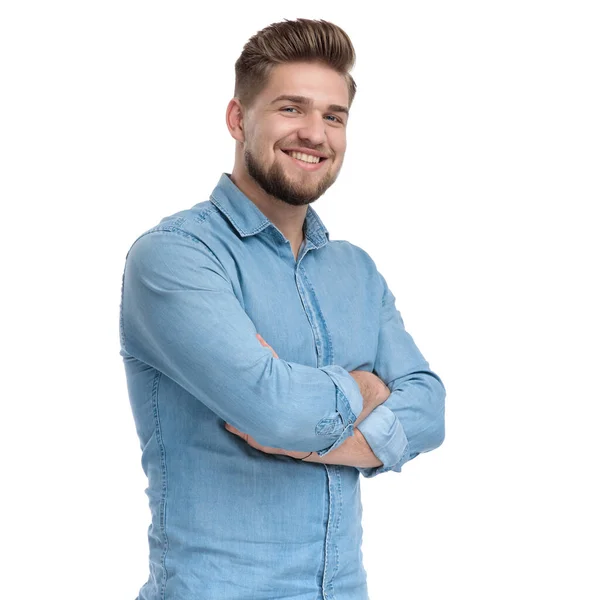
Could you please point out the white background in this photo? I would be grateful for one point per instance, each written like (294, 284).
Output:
(472, 179)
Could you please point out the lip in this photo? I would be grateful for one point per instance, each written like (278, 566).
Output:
(304, 165)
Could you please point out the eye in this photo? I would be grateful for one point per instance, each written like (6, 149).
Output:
(334, 119)
(289, 109)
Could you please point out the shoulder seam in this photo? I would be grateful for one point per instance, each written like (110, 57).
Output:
(185, 234)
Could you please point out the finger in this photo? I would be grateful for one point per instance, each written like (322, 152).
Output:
(263, 343)
(261, 340)
(233, 430)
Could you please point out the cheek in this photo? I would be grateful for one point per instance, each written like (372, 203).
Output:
(340, 151)
(267, 139)
(338, 142)
(284, 132)
(259, 146)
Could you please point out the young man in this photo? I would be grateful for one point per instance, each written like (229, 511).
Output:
(253, 448)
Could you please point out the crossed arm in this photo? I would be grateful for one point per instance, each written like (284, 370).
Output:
(355, 450)
(181, 316)
(408, 399)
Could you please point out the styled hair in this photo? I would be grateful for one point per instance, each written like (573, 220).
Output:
(302, 40)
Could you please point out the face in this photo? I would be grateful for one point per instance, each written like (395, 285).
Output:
(295, 132)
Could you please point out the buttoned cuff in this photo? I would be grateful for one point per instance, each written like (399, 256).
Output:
(349, 404)
(385, 435)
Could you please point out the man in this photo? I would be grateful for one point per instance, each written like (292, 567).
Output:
(267, 366)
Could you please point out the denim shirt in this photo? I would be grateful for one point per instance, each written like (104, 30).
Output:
(230, 522)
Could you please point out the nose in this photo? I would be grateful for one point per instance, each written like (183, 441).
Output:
(313, 128)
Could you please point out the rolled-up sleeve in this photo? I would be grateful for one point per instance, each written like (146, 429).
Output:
(349, 406)
(384, 434)
(180, 315)
(412, 420)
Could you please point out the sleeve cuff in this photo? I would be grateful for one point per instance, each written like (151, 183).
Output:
(349, 404)
(384, 433)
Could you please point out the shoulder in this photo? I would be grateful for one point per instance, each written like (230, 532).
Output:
(193, 224)
(351, 252)
(358, 259)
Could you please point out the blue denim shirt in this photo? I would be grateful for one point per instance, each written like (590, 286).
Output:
(230, 522)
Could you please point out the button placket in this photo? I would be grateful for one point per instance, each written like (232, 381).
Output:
(324, 358)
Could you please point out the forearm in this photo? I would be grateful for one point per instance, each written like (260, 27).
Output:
(353, 452)
(411, 420)
(418, 403)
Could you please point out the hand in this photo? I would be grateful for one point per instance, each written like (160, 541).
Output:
(353, 452)
(266, 449)
(263, 343)
(250, 440)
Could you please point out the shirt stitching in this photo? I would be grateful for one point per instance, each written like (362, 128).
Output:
(235, 223)
(162, 509)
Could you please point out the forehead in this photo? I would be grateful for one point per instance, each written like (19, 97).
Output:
(315, 81)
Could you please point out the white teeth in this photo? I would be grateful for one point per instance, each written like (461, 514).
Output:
(305, 157)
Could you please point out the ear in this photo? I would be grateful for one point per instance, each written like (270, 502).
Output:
(234, 117)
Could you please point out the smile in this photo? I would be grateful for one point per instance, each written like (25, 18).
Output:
(305, 157)
(308, 162)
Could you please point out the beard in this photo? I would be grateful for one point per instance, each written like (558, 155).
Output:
(275, 182)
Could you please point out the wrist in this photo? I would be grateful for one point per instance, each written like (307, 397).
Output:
(364, 451)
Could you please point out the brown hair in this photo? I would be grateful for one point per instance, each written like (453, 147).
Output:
(302, 40)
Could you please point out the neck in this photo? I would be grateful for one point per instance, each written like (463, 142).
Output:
(287, 218)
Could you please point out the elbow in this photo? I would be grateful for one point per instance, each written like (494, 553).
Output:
(438, 431)
(432, 436)
(431, 416)
(437, 425)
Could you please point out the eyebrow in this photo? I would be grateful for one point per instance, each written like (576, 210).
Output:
(305, 100)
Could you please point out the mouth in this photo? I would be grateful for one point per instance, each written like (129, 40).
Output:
(309, 162)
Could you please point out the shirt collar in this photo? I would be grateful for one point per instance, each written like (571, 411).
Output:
(247, 219)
